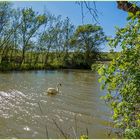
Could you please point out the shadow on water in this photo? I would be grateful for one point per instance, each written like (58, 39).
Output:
(27, 112)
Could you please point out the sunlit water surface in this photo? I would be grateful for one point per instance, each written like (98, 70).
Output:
(26, 111)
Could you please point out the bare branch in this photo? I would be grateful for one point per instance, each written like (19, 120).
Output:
(62, 132)
(92, 10)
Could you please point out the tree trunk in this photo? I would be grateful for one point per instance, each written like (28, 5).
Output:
(23, 55)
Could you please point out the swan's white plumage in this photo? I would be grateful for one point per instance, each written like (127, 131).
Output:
(53, 91)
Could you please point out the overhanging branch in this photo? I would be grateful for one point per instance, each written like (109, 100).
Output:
(128, 7)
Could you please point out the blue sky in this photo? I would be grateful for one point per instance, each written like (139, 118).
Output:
(109, 15)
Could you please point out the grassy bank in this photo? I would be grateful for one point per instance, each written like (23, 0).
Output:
(43, 61)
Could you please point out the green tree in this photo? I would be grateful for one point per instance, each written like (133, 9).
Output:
(30, 24)
(55, 39)
(8, 27)
(122, 79)
(49, 39)
(88, 38)
(67, 33)
(5, 14)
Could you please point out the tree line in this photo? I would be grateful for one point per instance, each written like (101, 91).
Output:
(31, 40)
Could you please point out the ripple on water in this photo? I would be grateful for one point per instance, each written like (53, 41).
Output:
(26, 111)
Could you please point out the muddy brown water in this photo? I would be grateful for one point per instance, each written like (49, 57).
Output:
(26, 111)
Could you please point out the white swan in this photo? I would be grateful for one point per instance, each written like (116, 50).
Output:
(53, 91)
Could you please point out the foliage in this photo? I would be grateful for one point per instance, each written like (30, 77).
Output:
(82, 137)
(30, 23)
(108, 56)
(5, 11)
(96, 66)
(56, 64)
(122, 80)
(132, 133)
(56, 38)
(29, 40)
(88, 38)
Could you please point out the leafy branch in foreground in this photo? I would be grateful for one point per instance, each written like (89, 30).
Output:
(122, 80)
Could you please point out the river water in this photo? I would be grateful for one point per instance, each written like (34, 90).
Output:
(26, 111)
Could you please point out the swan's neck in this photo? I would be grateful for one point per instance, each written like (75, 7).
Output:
(57, 88)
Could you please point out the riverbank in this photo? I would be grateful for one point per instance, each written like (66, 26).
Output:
(29, 67)
(52, 61)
